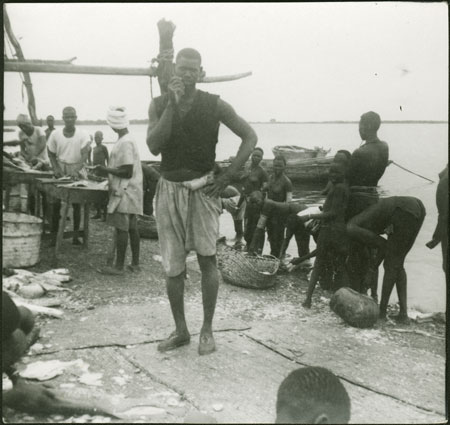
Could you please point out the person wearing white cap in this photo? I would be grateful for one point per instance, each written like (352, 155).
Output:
(68, 150)
(32, 143)
(125, 191)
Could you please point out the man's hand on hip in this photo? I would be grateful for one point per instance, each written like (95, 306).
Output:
(217, 187)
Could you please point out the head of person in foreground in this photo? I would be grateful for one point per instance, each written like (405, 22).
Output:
(312, 395)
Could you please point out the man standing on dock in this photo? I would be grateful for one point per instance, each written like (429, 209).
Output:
(50, 126)
(125, 191)
(68, 152)
(367, 165)
(183, 128)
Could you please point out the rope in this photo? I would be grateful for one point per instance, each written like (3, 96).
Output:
(165, 55)
(412, 172)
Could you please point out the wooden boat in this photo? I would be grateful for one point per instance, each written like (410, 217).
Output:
(295, 154)
(313, 170)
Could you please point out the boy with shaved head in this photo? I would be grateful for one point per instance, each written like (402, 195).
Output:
(312, 395)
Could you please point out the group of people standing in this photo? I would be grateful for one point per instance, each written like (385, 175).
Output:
(190, 196)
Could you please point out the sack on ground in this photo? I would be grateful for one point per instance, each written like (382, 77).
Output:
(356, 309)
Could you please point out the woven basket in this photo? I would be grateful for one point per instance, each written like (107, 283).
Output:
(241, 269)
(147, 227)
(21, 239)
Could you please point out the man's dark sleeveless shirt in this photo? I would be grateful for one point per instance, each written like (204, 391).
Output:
(192, 143)
(368, 163)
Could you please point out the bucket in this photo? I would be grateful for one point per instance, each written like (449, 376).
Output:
(21, 239)
(18, 198)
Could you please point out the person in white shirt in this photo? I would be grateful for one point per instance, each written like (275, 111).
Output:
(32, 143)
(68, 149)
(125, 191)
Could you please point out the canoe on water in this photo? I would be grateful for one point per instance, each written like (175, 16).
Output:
(313, 170)
(302, 164)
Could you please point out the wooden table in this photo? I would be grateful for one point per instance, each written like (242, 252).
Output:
(11, 178)
(83, 196)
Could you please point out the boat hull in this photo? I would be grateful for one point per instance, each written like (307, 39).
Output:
(314, 170)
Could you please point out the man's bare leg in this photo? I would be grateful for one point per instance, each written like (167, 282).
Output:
(389, 278)
(175, 292)
(210, 288)
(402, 296)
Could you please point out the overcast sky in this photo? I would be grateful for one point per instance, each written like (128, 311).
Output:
(310, 61)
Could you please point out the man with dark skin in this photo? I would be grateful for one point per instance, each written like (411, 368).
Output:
(68, 151)
(440, 234)
(18, 334)
(125, 191)
(50, 126)
(405, 214)
(256, 179)
(100, 156)
(183, 128)
(267, 209)
(279, 189)
(367, 165)
(332, 246)
(312, 395)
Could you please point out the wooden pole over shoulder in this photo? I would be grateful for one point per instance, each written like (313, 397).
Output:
(25, 66)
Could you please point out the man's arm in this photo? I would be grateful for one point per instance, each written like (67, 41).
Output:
(340, 200)
(289, 189)
(242, 129)
(124, 171)
(41, 142)
(56, 168)
(159, 129)
(106, 154)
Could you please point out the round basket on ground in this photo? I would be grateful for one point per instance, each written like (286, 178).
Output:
(21, 238)
(147, 227)
(240, 269)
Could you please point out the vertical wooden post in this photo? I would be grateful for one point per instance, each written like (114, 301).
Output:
(26, 75)
(165, 63)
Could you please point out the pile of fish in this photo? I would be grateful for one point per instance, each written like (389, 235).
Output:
(24, 285)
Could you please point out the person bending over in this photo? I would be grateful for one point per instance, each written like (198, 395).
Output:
(312, 395)
(405, 214)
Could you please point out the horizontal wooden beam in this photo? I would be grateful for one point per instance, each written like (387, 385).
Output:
(66, 68)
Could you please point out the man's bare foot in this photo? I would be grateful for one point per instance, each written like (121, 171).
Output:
(402, 319)
(306, 304)
(206, 344)
(175, 340)
(134, 268)
(112, 271)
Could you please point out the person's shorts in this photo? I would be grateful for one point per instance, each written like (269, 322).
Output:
(187, 220)
(122, 221)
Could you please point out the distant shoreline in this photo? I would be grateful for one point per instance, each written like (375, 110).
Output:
(12, 123)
